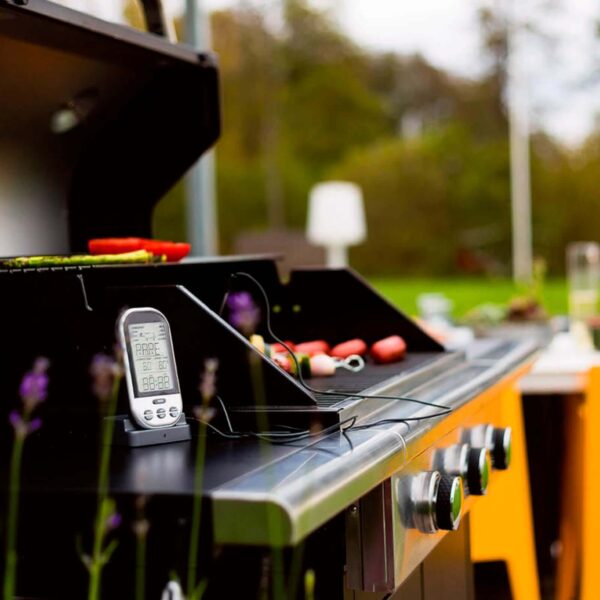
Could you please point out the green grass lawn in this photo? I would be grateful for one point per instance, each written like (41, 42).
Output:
(466, 293)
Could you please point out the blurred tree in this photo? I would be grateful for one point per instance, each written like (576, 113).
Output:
(301, 102)
(328, 107)
(566, 205)
(430, 200)
(294, 102)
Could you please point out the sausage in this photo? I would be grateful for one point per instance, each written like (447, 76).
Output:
(345, 349)
(313, 347)
(389, 349)
(279, 349)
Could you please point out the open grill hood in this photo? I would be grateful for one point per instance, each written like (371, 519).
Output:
(97, 122)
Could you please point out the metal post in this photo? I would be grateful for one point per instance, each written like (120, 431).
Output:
(520, 183)
(200, 182)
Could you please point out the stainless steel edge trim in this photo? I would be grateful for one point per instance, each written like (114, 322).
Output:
(302, 499)
(305, 502)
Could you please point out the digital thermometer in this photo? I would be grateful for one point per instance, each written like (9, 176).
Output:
(150, 370)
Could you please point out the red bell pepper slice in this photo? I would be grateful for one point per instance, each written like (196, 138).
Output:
(174, 251)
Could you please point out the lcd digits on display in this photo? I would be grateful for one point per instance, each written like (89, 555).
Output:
(151, 358)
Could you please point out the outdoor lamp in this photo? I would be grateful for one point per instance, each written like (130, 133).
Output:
(336, 219)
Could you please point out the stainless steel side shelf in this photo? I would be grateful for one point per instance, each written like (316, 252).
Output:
(283, 502)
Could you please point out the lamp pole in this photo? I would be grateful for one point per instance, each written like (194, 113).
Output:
(520, 164)
(200, 183)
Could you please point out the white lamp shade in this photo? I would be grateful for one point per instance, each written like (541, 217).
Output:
(336, 214)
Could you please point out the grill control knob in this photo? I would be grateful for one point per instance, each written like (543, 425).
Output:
(453, 460)
(436, 501)
(496, 439)
(501, 447)
(449, 503)
(478, 471)
(472, 464)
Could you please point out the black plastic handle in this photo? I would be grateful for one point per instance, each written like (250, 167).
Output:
(154, 14)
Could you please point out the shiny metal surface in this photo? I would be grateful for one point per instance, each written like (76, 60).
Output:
(422, 499)
(479, 436)
(453, 460)
(370, 525)
(289, 498)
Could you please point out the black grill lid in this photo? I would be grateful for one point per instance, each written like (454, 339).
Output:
(97, 122)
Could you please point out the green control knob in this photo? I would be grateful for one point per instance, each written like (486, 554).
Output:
(498, 440)
(478, 471)
(436, 501)
(449, 503)
(501, 447)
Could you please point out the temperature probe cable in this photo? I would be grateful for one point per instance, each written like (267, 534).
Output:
(281, 436)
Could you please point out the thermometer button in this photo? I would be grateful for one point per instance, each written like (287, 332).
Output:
(161, 415)
(159, 401)
(173, 411)
(148, 414)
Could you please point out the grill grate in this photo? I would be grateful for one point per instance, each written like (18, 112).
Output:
(373, 374)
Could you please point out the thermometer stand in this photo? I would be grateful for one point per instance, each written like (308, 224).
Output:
(127, 433)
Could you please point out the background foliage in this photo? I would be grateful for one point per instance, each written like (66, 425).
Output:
(302, 103)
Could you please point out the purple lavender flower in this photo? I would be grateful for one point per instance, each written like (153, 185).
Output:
(208, 380)
(114, 521)
(41, 365)
(15, 419)
(205, 413)
(33, 391)
(21, 426)
(141, 527)
(34, 425)
(104, 369)
(34, 385)
(244, 315)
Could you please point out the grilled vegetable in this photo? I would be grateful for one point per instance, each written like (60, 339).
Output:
(304, 362)
(140, 256)
(115, 245)
(174, 251)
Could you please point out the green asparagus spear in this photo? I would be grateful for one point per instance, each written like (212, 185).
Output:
(137, 257)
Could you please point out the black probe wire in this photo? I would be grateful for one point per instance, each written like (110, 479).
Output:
(274, 437)
(285, 437)
(444, 410)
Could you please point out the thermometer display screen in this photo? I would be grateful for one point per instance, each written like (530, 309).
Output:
(150, 351)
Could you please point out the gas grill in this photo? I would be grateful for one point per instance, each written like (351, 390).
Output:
(97, 121)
